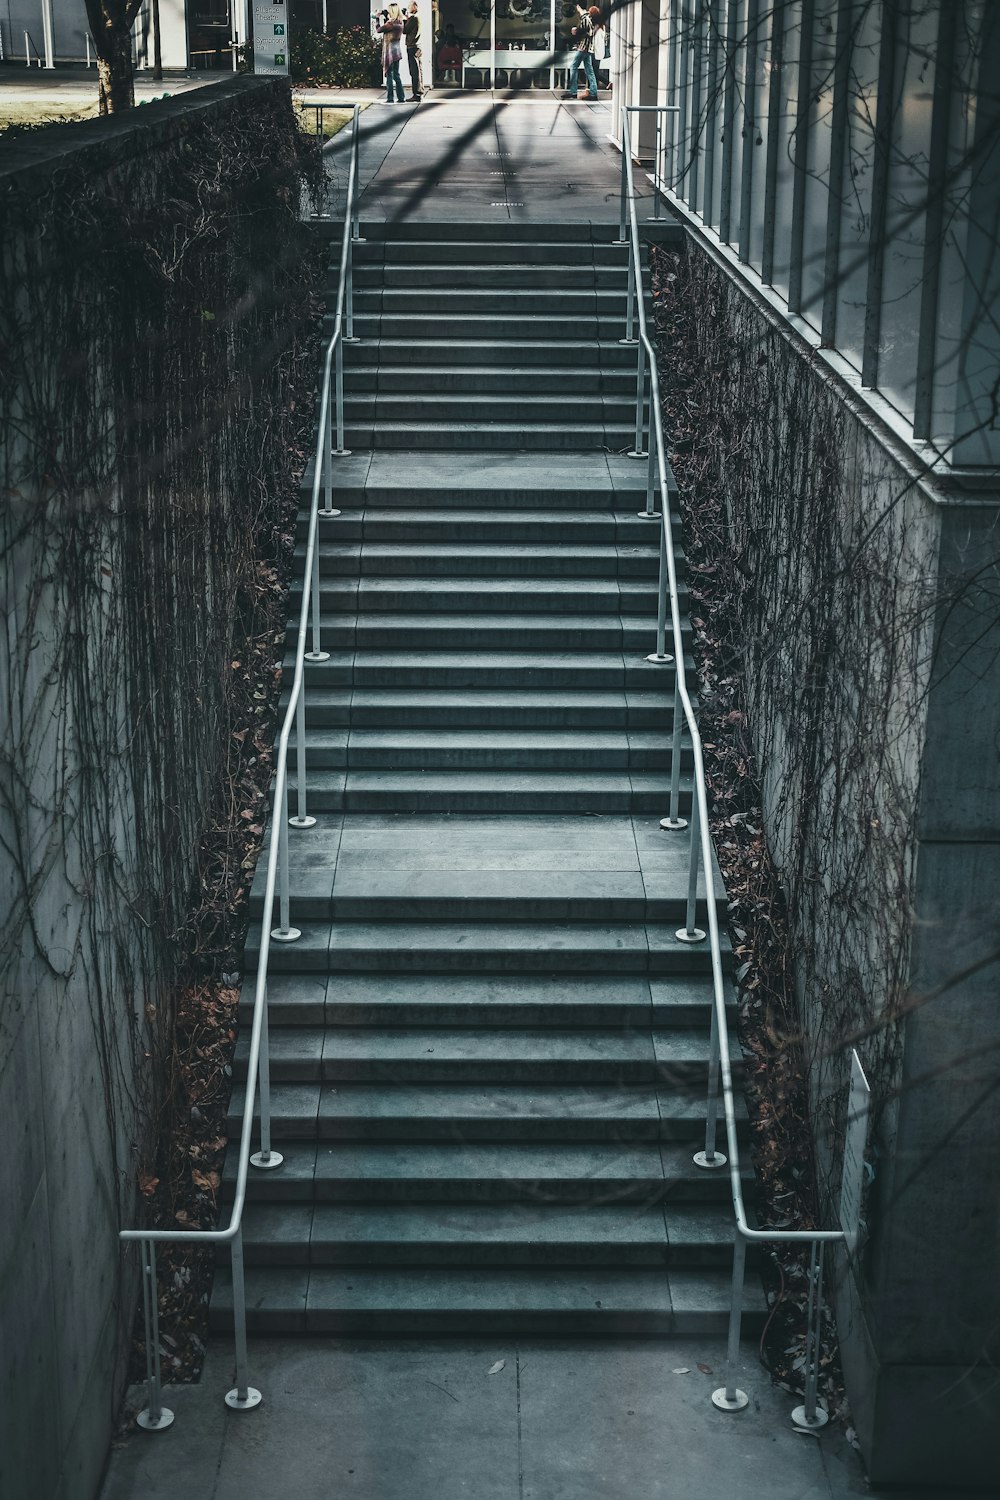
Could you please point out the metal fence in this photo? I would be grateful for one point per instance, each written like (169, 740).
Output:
(847, 153)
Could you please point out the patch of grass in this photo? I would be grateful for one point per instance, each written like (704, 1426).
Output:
(33, 115)
(334, 120)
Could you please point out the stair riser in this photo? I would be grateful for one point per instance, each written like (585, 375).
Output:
(489, 1016)
(438, 634)
(606, 1191)
(529, 1322)
(573, 349)
(584, 496)
(498, 304)
(389, 258)
(576, 675)
(492, 235)
(343, 1253)
(477, 1071)
(296, 959)
(483, 438)
(498, 382)
(485, 408)
(447, 1130)
(337, 756)
(442, 600)
(455, 717)
(405, 800)
(512, 528)
(630, 566)
(592, 325)
(455, 277)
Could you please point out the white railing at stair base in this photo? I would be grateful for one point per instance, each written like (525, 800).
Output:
(243, 1396)
(728, 1397)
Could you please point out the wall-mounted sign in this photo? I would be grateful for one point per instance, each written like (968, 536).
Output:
(270, 38)
(855, 1141)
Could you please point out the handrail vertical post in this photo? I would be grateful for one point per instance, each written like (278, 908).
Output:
(156, 1416)
(324, 446)
(355, 148)
(651, 513)
(640, 385)
(317, 653)
(302, 818)
(243, 1396)
(626, 153)
(674, 821)
(265, 1159)
(630, 337)
(729, 1397)
(710, 1158)
(689, 933)
(339, 361)
(284, 932)
(658, 150)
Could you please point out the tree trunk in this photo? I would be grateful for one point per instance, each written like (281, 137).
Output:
(111, 29)
(157, 53)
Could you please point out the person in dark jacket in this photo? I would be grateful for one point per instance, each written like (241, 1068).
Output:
(413, 52)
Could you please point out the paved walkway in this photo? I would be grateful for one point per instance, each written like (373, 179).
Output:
(497, 1420)
(388, 1420)
(487, 159)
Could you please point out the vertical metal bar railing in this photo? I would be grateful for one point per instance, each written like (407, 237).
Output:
(243, 1396)
(727, 1397)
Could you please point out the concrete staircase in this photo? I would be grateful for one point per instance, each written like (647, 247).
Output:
(489, 1048)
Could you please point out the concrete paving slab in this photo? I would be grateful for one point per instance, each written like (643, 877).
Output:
(557, 1420)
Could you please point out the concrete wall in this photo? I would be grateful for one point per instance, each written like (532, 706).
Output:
(124, 568)
(871, 649)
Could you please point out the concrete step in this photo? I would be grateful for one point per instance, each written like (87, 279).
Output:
(394, 274)
(484, 948)
(554, 232)
(491, 1234)
(488, 1302)
(484, 1172)
(463, 1114)
(515, 711)
(523, 381)
(573, 409)
(516, 328)
(406, 1055)
(489, 345)
(442, 791)
(495, 253)
(381, 524)
(496, 302)
(517, 670)
(399, 631)
(494, 749)
(391, 1000)
(554, 597)
(469, 559)
(476, 437)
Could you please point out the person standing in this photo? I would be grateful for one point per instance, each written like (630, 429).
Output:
(392, 53)
(583, 32)
(413, 52)
(600, 45)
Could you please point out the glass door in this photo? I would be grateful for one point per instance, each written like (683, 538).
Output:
(516, 44)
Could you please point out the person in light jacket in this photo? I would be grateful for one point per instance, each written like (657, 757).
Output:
(392, 53)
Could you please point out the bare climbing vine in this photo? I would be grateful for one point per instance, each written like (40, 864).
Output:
(812, 625)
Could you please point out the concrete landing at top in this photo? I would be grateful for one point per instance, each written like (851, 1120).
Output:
(482, 157)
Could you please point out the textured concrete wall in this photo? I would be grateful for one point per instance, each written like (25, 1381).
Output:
(113, 709)
(871, 661)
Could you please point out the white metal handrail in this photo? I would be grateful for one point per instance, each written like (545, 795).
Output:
(243, 1396)
(727, 1397)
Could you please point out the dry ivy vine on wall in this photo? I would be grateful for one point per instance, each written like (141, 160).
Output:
(811, 640)
(158, 325)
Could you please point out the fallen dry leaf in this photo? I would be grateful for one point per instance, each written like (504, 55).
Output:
(495, 1369)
